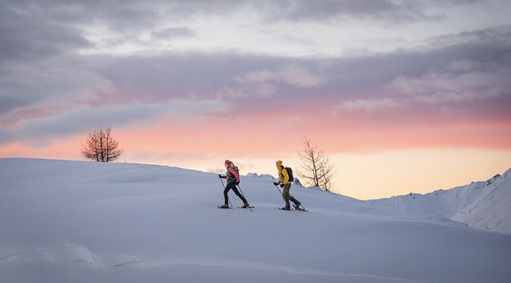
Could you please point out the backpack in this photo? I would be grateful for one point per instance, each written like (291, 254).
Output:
(237, 172)
(290, 173)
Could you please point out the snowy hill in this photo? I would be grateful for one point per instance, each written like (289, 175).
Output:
(482, 205)
(69, 221)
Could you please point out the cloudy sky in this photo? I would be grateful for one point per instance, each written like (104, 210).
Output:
(403, 96)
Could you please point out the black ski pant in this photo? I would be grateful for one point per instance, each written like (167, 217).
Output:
(232, 186)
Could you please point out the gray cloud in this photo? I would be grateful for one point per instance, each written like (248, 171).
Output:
(173, 33)
(26, 35)
(500, 35)
(383, 11)
(325, 10)
(31, 85)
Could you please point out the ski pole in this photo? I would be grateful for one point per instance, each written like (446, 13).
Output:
(224, 190)
(276, 186)
(243, 195)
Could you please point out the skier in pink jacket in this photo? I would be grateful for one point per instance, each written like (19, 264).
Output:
(233, 179)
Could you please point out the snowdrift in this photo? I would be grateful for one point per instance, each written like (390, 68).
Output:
(69, 221)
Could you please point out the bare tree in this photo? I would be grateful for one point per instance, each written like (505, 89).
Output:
(317, 169)
(101, 146)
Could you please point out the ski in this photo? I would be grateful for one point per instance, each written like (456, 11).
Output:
(294, 209)
(232, 207)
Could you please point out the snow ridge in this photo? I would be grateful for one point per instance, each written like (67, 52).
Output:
(482, 205)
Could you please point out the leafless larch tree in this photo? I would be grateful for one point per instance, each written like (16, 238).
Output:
(101, 146)
(316, 167)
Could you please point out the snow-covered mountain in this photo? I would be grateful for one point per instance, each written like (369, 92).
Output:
(71, 221)
(483, 205)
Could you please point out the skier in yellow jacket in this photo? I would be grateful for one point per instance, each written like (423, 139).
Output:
(286, 185)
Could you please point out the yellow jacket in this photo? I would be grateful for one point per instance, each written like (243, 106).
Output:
(283, 176)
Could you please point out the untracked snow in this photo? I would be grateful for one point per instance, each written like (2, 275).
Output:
(70, 221)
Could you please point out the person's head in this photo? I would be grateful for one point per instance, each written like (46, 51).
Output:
(279, 163)
(228, 163)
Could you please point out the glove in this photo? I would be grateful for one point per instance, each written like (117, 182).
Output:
(220, 176)
(281, 185)
(275, 183)
(237, 183)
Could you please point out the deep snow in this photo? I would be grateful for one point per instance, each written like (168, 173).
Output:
(71, 221)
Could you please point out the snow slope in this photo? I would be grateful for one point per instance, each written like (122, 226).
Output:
(70, 221)
(483, 205)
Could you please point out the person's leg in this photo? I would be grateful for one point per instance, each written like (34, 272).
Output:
(291, 198)
(226, 197)
(285, 194)
(237, 192)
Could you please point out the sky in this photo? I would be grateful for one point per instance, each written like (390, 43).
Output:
(402, 96)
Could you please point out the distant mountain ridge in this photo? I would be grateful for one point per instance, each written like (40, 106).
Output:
(272, 178)
(484, 205)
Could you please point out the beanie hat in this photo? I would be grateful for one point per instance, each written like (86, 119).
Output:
(279, 163)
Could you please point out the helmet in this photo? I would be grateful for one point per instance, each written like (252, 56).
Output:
(279, 163)
(227, 163)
